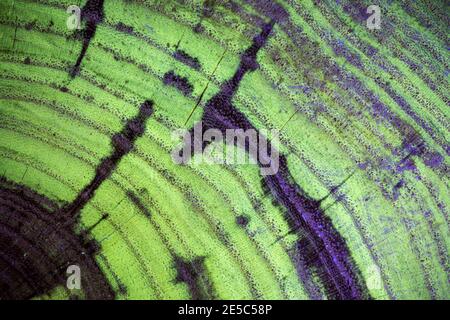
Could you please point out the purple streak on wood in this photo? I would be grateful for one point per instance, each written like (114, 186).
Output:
(92, 13)
(123, 143)
(181, 83)
(337, 271)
